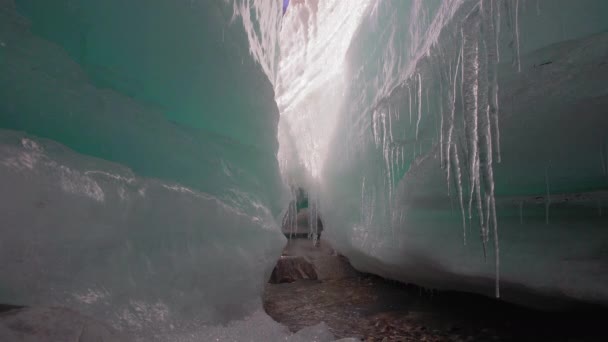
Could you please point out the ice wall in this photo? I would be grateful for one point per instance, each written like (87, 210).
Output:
(161, 81)
(138, 166)
(469, 148)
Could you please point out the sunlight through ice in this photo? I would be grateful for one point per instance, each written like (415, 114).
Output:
(314, 38)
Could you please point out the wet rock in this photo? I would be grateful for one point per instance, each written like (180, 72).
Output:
(292, 268)
(327, 263)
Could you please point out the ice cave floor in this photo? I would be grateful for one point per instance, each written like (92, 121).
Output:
(370, 308)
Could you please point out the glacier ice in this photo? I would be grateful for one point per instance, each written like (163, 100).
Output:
(464, 147)
(138, 253)
(53, 324)
(138, 161)
(260, 327)
(455, 143)
(59, 324)
(139, 96)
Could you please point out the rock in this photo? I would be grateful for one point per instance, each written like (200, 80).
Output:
(326, 262)
(292, 268)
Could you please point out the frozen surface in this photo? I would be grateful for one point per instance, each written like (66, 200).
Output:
(53, 324)
(259, 327)
(140, 254)
(454, 143)
(138, 160)
(60, 324)
(466, 145)
(85, 74)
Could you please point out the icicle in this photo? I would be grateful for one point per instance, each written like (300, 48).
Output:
(441, 151)
(390, 124)
(448, 167)
(371, 207)
(471, 89)
(495, 122)
(497, 32)
(316, 222)
(409, 92)
(419, 104)
(428, 104)
(486, 102)
(488, 212)
(386, 152)
(313, 217)
(460, 196)
(496, 247)
(441, 125)
(451, 121)
(490, 36)
(363, 209)
(439, 130)
(517, 51)
(462, 101)
(548, 199)
(490, 190)
(310, 232)
(293, 209)
(375, 133)
(603, 160)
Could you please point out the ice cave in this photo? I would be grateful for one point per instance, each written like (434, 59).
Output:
(303, 170)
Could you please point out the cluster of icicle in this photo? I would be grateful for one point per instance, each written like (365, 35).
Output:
(290, 217)
(313, 216)
(463, 68)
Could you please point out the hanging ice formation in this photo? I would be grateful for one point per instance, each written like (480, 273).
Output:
(418, 112)
(418, 127)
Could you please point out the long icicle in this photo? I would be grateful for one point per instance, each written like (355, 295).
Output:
(471, 86)
(419, 104)
(459, 188)
(517, 51)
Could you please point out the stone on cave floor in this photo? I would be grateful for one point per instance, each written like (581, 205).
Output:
(303, 255)
(292, 268)
(302, 259)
